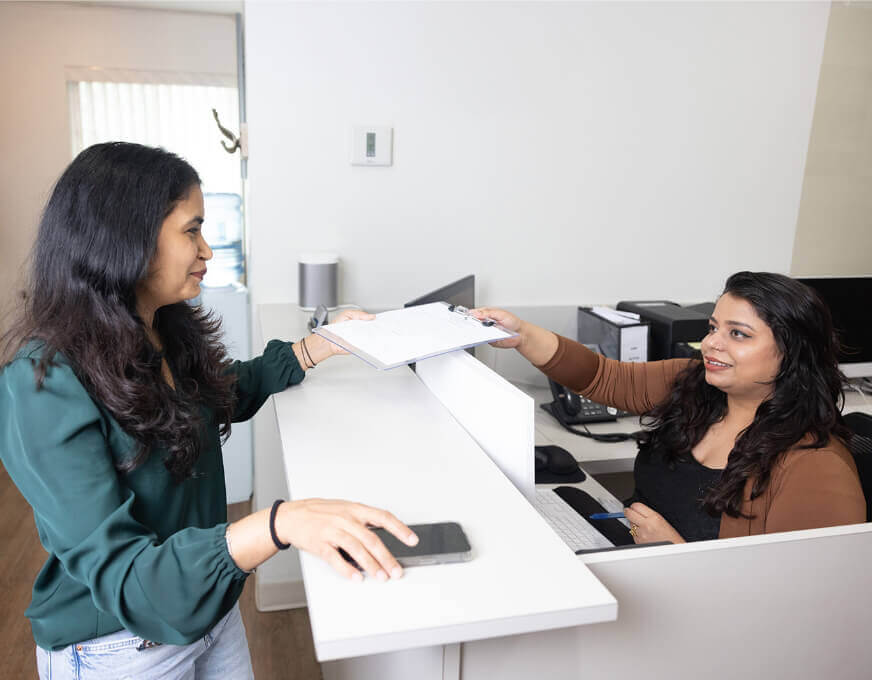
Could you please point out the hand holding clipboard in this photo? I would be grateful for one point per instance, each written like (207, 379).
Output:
(404, 336)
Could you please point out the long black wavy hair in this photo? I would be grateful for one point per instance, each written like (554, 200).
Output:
(805, 404)
(97, 235)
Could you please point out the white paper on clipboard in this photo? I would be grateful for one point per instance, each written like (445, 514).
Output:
(403, 336)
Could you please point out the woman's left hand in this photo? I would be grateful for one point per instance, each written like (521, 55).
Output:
(319, 348)
(650, 527)
(348, 315)
(353, 315)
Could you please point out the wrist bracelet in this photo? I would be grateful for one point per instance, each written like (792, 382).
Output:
(272, 526)
(300, 361)
(309, 354)
(306, 353)
(304, 363)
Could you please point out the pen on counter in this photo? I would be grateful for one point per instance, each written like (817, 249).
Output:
(607, 515)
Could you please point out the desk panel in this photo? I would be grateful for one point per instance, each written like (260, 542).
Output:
(789, 605)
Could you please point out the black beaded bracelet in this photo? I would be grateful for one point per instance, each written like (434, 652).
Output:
(272, 526)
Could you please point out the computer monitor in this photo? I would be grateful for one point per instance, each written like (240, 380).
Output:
(460, 292)
(849, 299)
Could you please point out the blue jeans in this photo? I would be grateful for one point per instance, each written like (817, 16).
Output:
(222, 653)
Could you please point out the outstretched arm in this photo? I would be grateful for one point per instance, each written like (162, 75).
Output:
(281, 365)
(632, 387)
(535, 344)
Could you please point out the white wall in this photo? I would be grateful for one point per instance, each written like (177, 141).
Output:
(37, 41)
(562, 152)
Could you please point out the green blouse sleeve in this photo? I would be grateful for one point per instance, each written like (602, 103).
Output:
(273, 371)
(53, 442)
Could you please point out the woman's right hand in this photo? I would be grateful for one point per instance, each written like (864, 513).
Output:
(505, 319)
(536, 344)
(321, 527)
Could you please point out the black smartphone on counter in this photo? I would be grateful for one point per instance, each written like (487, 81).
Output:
(438, 543)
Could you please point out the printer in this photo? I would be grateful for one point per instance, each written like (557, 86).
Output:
(673, 327)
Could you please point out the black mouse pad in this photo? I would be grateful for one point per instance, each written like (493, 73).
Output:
(586, 505)
(545, 477)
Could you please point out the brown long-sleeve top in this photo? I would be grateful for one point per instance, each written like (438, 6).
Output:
(808, 488)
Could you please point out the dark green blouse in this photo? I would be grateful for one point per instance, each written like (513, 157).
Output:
(134, 551)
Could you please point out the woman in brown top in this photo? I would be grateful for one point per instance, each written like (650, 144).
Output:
(755, 425)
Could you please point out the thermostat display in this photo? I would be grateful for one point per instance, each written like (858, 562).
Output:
(371, 145)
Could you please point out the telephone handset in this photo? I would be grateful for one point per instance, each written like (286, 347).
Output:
(571, 409)
(576, 409)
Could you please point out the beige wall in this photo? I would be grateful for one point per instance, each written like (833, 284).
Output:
(834, 229)
(37, 41)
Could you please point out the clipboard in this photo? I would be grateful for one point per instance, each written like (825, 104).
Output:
(405, 336)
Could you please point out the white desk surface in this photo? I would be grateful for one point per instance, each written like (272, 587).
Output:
(381, 438)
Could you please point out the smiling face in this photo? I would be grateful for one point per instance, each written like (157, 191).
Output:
(179, 263)
(740, 353)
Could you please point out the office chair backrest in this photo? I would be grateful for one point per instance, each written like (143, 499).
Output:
(861, 448)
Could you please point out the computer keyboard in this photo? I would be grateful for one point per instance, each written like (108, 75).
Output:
(574, 529)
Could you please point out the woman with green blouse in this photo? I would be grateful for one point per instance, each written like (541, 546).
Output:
(114, 398)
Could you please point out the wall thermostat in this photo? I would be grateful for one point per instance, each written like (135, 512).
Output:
(372, 145)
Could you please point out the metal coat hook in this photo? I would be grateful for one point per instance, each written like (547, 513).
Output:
(233, 138)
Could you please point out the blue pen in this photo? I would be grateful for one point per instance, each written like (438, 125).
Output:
(607, 515)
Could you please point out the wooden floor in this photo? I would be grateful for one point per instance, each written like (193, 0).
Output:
(280, 642)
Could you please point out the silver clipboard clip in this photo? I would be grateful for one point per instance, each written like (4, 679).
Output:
(463, 311)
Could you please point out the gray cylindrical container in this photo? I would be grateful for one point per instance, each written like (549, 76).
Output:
(318, 282)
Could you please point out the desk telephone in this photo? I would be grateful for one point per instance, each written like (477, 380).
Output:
(571, 409)
(575, 409)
